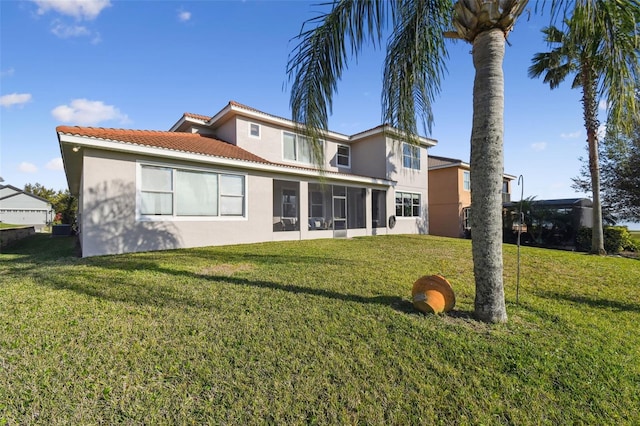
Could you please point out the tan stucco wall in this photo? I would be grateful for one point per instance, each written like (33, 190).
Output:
(368, 157)
(269, 144)
(109, 225)
(447, 198)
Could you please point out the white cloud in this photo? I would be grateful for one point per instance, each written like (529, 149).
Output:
(15, 99)
(603, 105)
(602, 131)
(79, 9)
(55, 164)
(27, 167)
(572, 135)
(86, 113)
(7, 73)
(539, 146)
(65, 31)
(184, 16)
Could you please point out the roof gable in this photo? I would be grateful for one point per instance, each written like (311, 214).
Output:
(10, 195)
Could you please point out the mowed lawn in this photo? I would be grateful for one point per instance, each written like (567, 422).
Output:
(313, 332)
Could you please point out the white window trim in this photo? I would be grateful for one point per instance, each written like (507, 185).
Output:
(296, 161)
(348, 165)
(259, 130)
(174, 218)
(420, 213)
(419, 156)
(464, 174)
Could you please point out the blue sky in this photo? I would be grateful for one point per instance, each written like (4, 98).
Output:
(141, 64)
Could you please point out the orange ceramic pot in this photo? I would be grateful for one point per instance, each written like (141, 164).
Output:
(432, 294)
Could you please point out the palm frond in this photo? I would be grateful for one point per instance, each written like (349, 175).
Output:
(317, 62)
(415, 64)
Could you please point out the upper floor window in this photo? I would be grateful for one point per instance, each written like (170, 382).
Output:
(343, 156)
(254, 130)
(466, 180)
(411, 156)
(166, 191)
(407, 204)
(296, 148)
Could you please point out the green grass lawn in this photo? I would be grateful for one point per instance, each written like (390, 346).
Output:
(635, 235)
(313, 332)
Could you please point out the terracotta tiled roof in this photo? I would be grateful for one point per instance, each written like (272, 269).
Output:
(197, 116)
(177, 141)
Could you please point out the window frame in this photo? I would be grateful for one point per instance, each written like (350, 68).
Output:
(412, 206)
(466, 180)
(347, 156)
(174, 217)
(466, 218)
(251, 135)
(411, 155)
(298, 140)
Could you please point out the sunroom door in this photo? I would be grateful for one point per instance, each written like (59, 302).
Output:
(339, 212)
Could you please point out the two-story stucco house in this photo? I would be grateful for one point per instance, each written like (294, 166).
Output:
(450, 196)
(240, 176)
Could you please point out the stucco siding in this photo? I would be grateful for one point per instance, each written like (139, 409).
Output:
(447, 198)
(267, 146)
(227, 132)
(368, 157)
(109, 224)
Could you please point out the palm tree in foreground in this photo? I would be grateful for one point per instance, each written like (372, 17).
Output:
(413, 68)
(414, 64)
(604, 57)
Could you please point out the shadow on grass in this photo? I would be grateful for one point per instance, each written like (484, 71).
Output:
(594, 303)
(43, 248)
(83, 279)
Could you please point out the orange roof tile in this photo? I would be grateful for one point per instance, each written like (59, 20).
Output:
(197, 116)
(177, 141)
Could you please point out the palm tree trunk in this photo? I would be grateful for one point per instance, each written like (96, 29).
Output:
(487, 171)
(591, 123)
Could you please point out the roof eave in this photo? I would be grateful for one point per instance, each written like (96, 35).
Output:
(69, 141)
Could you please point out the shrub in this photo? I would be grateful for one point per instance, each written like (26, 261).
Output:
(616, 239)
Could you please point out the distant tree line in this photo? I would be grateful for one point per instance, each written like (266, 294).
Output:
(620, 169)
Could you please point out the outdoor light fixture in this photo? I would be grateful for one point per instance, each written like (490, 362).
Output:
(76, 148)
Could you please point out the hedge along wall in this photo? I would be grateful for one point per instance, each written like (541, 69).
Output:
(616, 239)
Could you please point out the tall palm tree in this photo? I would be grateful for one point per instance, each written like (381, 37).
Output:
(604, 60)
(414, 65)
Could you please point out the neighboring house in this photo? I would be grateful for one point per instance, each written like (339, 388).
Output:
(450, 196)
(240, 176)
(18, 207)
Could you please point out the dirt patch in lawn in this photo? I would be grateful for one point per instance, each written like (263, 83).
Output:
(227, 269)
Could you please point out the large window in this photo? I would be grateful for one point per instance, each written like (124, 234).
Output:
(296, 148)
(156, 191)
(466, 180)
(407, 204)
(411, 156)
(343, 156)
(166, 191)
